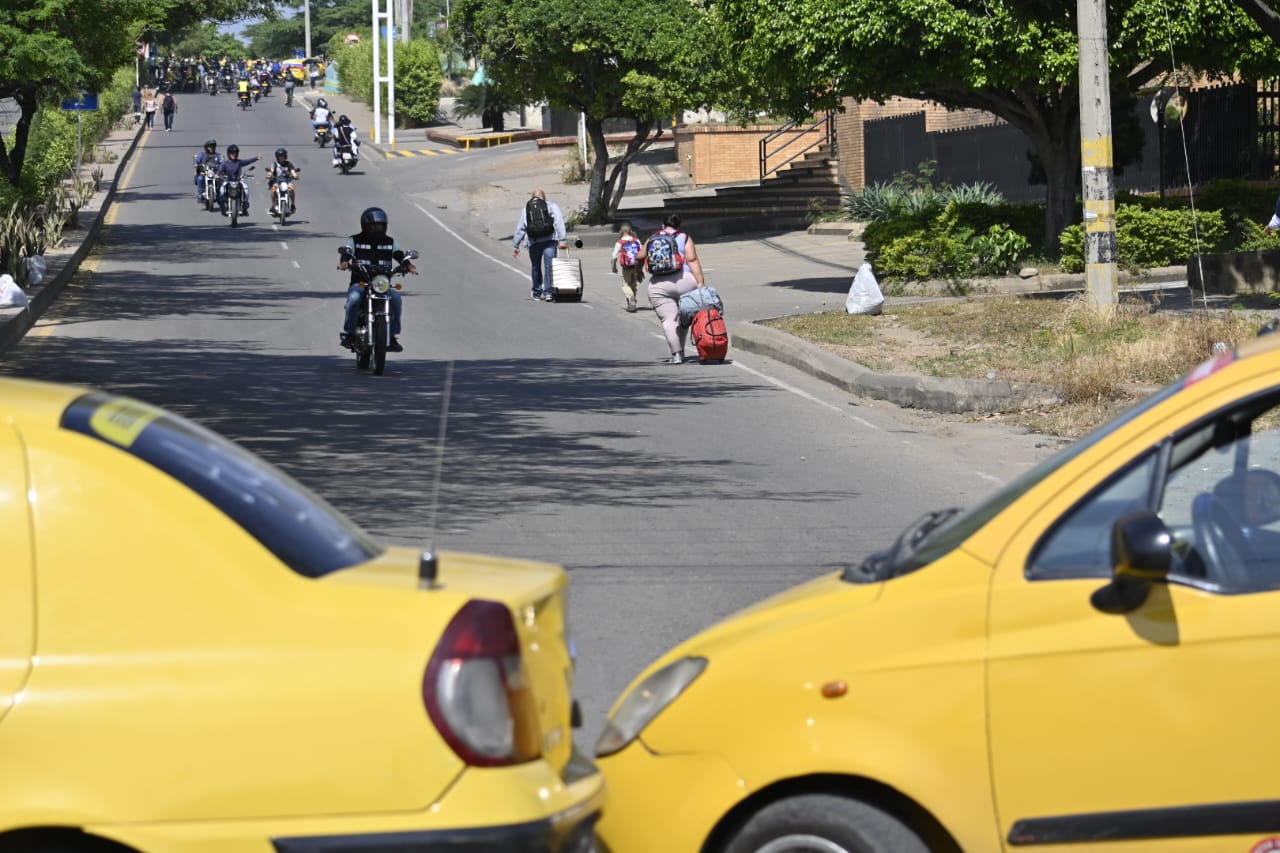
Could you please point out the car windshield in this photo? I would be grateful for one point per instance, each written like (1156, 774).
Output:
(297, 526)
(938, 533)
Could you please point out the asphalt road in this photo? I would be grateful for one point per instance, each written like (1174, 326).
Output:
(674, 495)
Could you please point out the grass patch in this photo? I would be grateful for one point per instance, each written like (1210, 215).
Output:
(1099, 361)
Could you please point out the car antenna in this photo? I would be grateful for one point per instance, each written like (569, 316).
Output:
(428, 565)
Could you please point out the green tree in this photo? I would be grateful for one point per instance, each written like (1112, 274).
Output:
(53, 48)
(207, 40)
(1017, 59)
(592, 56)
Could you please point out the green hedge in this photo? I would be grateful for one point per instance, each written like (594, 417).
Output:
(1153, 237)
(418, 76)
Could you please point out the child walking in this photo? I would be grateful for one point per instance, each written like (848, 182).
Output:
(625, 254)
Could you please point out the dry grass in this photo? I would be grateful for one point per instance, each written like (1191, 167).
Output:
(1099, 361)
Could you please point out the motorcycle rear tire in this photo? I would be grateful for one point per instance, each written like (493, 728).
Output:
(379, 345)
(346, 167)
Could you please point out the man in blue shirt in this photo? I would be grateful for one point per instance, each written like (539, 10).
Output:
(229, 170)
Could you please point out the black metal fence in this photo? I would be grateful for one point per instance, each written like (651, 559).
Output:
(1230, 131)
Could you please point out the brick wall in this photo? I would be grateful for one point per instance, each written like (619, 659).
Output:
(724, 154)
(850, 138)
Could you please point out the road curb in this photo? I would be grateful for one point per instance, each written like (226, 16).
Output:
(950, 396)
(63, 264)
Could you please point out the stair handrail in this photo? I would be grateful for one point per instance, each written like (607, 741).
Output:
(826, 124)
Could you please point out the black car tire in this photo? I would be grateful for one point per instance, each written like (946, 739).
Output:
(819, 822)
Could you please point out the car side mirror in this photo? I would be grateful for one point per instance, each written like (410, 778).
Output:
(1141, 554)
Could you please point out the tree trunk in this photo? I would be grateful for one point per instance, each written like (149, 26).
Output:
(12, 159)
(613, 185)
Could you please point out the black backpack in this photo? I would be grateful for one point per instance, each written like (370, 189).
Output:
(168, 103)
(537, 218)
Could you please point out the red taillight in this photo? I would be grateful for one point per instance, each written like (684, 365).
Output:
(477, 691)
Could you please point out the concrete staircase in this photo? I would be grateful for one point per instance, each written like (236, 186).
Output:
(785, 201)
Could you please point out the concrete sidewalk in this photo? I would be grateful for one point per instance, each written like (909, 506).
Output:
(760, 276)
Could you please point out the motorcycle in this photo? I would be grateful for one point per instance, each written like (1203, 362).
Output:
(373, 317)
(211, 83)
(322, 135)
(288, 96)
(237, 197)
(244, 100)
(283, 197)
(348, 156)
(210, 186)
(257, 92)
(266, 85)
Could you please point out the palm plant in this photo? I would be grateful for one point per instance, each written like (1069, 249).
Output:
(486, 101)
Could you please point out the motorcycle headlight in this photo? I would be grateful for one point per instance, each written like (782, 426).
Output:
(380, 284)
(643, 704)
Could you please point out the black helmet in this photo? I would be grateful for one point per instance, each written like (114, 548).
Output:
(322, 103)
(210, 145)
(233, 149)
(281, 152)
(374, 221)
(344, 121)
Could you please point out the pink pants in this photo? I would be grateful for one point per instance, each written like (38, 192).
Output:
(664, 295)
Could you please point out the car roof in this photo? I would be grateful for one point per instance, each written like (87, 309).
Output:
(25, 401)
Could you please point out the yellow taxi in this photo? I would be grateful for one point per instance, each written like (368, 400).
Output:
(1089, 660)
(198, 654)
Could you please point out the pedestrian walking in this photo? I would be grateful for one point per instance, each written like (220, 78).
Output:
(169, 106)
(542, 227)
(137, 106)
(626, 252)
(314, 73)
(674, 270)
(149, 109)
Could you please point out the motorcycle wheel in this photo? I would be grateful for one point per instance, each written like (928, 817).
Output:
(379, 345)
(235, 212)
(281, 211)
(346, 167)
(362, 359)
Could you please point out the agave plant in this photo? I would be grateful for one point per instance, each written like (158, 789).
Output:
(486, 101)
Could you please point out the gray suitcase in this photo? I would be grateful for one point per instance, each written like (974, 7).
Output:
(566, 278)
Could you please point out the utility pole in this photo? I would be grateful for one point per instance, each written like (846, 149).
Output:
(306, 24)
(406, 19)
(1096, 160)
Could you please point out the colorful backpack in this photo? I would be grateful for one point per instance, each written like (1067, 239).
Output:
(629, 252)
(663, 251)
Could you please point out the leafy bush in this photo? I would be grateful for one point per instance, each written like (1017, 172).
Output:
(355, 69)
(418, 77)
(1153, 237)
(999, 250)
(486, 101)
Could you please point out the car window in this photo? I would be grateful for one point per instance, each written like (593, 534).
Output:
(1217, 489)
(297, 526)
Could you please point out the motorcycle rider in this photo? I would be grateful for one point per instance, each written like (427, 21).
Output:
(288, 90)
(374, 245)
(208, 156)
(229, 170)
(244, 89)
(344, 134)
(320, 114)
(279, 167)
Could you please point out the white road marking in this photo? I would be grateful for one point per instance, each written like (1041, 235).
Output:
(805, 395)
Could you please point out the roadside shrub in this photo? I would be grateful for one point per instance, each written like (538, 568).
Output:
(355, 68)
(418, 77)
(999, 251)
(1152, 237)
(880, 233)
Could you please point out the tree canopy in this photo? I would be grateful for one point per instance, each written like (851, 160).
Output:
(586, 56)
(1017, 59)
(53, 48)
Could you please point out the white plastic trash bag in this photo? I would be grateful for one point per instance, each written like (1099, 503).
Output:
(11, 296)
(864, 294)
(35, 270)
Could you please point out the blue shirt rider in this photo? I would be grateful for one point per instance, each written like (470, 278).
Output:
(229, 170)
